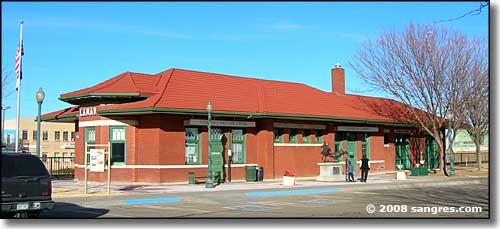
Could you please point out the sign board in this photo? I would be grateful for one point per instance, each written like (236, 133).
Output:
(203, 122)
(399, 131)
(96, 160)
(87, 111)
(357, 128)
(299, 126)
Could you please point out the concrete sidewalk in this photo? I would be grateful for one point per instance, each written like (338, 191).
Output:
(69, 188)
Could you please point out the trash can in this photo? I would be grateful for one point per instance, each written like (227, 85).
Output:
(191, 178)
(260, 174)
(251, 173)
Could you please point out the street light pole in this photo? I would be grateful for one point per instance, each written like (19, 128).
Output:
(452, 157)
(40, 95)
(210, 181)
(3, 121)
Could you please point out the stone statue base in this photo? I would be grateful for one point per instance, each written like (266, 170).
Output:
(331, 171)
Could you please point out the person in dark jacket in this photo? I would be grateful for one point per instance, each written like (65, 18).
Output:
(364, 168)
(350, 171)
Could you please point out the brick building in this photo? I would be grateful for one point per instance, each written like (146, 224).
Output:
(157, 126)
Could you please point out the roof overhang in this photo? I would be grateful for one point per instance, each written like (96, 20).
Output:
(248, 115)
(94, 97)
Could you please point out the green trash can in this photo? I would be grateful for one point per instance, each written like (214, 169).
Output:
(191, 178)
(424, 171)
(414, 171)
(251, 173)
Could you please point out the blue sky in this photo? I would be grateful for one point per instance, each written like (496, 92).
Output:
(73, 45)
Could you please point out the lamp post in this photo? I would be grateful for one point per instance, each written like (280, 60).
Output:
(449, 116)
(210, 181)
(3, 121)
(40, 95)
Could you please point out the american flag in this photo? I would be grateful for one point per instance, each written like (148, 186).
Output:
(19, 54)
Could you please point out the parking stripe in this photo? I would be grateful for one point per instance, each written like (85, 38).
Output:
(294, 192)
(152, 201)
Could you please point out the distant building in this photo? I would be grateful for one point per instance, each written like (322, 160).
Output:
(58, 139)
(464, 143)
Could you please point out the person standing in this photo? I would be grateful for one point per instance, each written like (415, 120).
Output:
(364, 168)
(350, 171)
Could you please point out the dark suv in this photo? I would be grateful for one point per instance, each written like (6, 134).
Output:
(26, 186)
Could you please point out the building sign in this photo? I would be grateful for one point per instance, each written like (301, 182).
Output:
(96, 160)
(203, 122)
(401, 131)
(299, 126)
(357, 128)
(88, 111)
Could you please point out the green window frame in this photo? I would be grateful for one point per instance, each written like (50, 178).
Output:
(365, 144)
(89, 139)
(238, 146)
(292, 135)
(306, 136)
(118, 144)
(319, 136)
(193, 146)
(278, 135)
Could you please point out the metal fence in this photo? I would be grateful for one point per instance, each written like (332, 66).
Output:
(60, 167)
(466, 158)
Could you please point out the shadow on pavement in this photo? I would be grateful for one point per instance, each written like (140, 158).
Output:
(70, 210)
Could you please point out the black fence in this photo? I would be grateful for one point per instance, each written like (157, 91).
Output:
(60, 167)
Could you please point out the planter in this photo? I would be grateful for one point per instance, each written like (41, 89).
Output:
(288, 180)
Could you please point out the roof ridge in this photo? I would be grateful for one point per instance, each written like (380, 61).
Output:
(164, 88)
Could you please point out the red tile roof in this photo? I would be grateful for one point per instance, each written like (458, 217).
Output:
(191, 90)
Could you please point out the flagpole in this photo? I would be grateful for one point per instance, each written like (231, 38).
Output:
(19, 87)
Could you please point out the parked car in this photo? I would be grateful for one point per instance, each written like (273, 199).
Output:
(26, 186)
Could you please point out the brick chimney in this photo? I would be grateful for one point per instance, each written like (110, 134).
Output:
(338, 80)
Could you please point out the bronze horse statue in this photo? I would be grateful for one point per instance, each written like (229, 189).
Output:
(326, 152)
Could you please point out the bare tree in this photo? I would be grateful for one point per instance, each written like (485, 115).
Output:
(474, 103)
(423, 68)
(7, 88)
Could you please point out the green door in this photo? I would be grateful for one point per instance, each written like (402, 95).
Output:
(217, 142)
(351, 149)
(431, 152)
(402, 142)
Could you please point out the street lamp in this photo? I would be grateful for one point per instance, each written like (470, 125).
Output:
(3, 121)
(210, 181)
(449, 116)
(40, 95)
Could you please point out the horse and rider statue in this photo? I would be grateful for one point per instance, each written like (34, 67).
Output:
(326, 153)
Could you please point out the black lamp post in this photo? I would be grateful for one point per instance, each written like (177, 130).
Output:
(210, 180)
(40, 95)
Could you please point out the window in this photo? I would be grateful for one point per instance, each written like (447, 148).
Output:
(278, 135)
(319, 136)
(306, 136)
(365, 144)
(45, 135)
(34, 135)
(89, 139)
(72, 136)
(386, 138)
(44, 156)
(57, 136)
(292, 136)
(56, 154)
(65, 136)
(64, 154)
(117, 141)
(238, 146)
(193, 146)
(25, 135)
